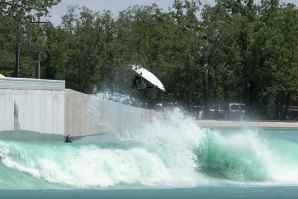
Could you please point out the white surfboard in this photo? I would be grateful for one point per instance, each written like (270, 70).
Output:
(150, 77)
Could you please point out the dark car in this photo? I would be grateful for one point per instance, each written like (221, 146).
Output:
(292, 113)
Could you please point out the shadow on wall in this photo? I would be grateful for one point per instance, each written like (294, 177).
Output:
(16, 117)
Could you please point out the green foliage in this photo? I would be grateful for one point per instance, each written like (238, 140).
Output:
(15, 27)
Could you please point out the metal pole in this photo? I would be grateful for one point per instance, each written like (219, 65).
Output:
(17, 67)
(37, 68)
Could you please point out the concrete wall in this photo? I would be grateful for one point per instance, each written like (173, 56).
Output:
(46, 107)
(32, 105)
(88, 115)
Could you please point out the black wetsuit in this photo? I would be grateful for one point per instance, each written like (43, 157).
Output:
(140, 83)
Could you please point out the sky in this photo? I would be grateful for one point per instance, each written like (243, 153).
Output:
(115, 6)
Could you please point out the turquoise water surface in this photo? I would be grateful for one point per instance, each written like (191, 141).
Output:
(170, 159)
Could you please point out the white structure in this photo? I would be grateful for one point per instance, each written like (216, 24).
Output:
(32, 105)
(45, 107)
(89, 115)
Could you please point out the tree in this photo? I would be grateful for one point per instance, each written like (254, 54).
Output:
(16, 15)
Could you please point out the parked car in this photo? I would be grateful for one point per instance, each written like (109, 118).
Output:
(211, 112)
(236, 111)
(292, 113)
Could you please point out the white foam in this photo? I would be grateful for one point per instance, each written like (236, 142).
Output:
(163, 156)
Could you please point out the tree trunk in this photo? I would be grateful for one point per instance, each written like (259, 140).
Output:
(205, 96)
(189, 88)
(277, 107)
(226, 99)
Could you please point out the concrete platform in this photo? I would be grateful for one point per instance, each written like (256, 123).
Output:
(256, 124)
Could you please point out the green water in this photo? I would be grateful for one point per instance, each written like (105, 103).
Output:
(190, 193)
(172, 159)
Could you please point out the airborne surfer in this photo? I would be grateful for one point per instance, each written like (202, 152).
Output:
(144, 79)
(140, 84)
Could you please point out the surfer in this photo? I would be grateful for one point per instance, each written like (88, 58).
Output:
(68, 139)
(140, 84)
(144, 79)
